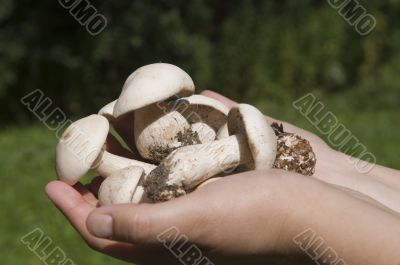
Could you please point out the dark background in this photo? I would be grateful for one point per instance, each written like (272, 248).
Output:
(266, 53)
(253, 51)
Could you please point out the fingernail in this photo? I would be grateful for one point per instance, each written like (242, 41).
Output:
(101, 225)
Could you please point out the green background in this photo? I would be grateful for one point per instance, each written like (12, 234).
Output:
(267, 53)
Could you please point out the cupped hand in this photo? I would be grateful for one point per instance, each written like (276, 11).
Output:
(380, 183)
(240, 216)
(242, 219)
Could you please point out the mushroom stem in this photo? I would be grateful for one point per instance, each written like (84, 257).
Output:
(109, 164)
(156, 131)
(252, 144)
(181, 171)
(209, 160)
(223, 132)
(205, 132)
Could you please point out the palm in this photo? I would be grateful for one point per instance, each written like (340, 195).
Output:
(199, 215)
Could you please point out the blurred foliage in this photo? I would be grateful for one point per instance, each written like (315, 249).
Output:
(257, 51)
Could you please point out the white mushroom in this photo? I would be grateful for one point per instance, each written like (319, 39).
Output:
(156, 126)
(206, 115)
(252, 144)
(81, 149)
(158, 132)
(123, 186)
(223, 132)
(108, 111)
(123, 125)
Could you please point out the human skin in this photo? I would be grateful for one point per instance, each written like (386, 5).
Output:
(380, 183)
(250, 216)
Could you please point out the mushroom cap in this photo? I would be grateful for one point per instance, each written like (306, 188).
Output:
(199, 108)
(120, 187)
(248, 121)
(151, 84)
(79, 147)
(108, 111)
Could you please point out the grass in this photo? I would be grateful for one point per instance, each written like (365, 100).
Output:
(27, 155)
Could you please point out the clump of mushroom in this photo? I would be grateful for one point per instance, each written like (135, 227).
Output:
(293, 153)
(182, 141)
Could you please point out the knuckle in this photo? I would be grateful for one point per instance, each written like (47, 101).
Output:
(139, 228)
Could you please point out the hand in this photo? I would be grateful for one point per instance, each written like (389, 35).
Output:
(381, 184)
(201, 216)
(243, 218)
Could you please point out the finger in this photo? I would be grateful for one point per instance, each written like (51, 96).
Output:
(76, 209)
(228, 102)
(145, 223)
(72, 204)
(86, 194)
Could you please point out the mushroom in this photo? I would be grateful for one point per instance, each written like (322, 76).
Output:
(108, 110)
(294, 153)
(223, 132)
(123, 186)
(206, 115)
(252, 144)
(81, 148)
(123, 125)
(157, 126)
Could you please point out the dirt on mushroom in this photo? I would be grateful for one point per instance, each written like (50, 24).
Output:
(188, 137)
(157, 188)
(293, 152)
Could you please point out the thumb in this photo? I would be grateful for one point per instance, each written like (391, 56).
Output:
(226, 101)
(142, 224)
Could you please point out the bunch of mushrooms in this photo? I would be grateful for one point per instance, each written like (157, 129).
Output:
(184, 141)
